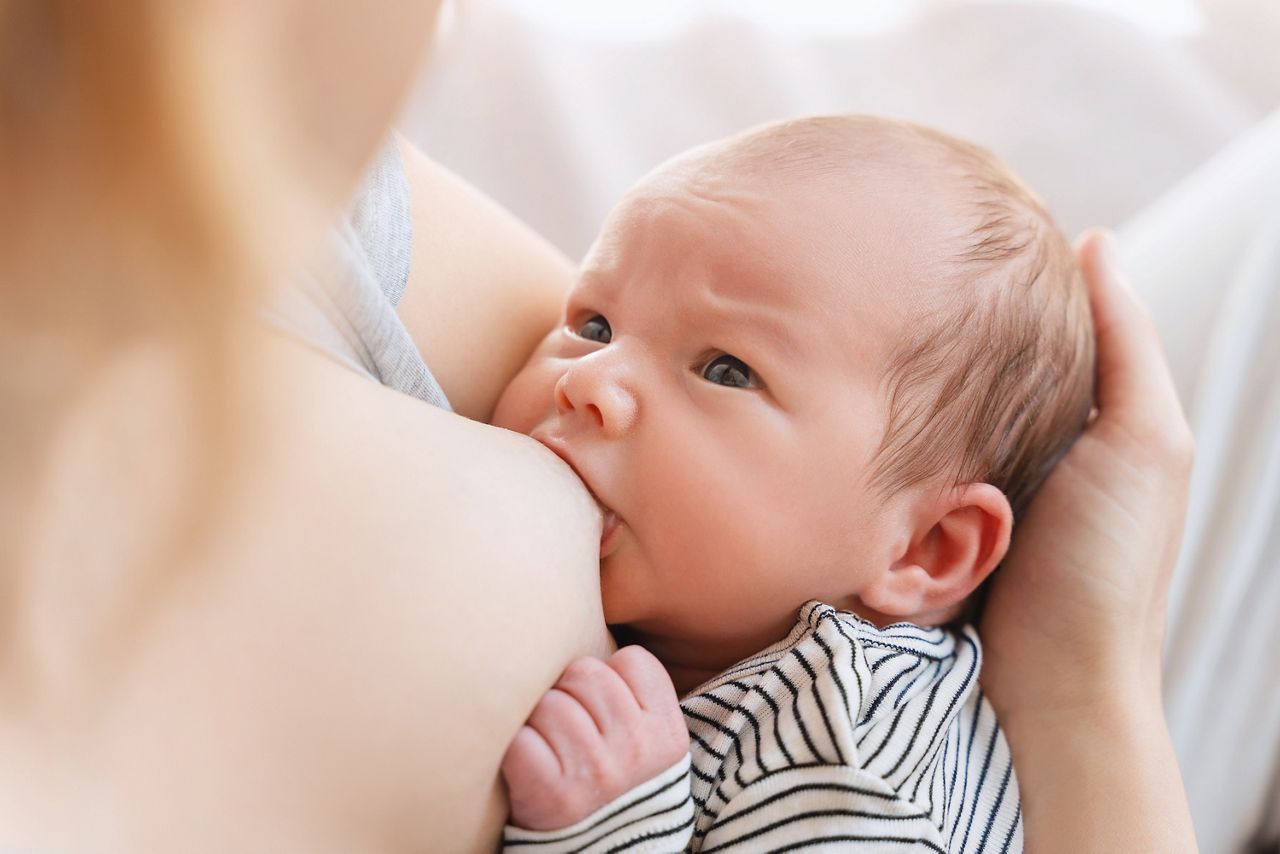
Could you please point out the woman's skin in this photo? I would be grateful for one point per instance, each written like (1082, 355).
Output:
(388, 589)
(476, 313)
(1075, 621)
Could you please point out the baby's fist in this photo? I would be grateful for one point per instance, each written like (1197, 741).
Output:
(605, 728)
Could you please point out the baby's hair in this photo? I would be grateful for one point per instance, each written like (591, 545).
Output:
(996, 384)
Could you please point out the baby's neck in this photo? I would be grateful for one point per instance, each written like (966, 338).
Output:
(687, 679)
(689, 664)
(692, 661)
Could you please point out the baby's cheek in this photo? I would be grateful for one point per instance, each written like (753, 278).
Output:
(526, 400)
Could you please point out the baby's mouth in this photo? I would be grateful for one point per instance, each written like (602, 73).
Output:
(612, 522)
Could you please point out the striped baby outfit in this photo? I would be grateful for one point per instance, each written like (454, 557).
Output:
(842, 736)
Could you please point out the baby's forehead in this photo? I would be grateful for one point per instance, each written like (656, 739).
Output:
(871, 216)
(815, 182)
(944, 201)
(835, 292)
(897, 211)
(840, 148)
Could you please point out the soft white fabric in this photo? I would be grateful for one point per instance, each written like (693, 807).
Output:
(1112, 124)
(1206, 257)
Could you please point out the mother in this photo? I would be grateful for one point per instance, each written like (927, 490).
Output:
(254, 601)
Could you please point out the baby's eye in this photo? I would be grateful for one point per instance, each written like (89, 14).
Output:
(729, 371)
(596, 329)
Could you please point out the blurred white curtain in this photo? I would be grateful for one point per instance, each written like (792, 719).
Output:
(1114, 123)
(555, 122)
(1206, 257)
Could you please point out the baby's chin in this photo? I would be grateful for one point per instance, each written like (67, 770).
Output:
(619, 609)
(626, 604)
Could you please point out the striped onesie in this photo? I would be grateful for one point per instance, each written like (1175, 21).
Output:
(842, 736)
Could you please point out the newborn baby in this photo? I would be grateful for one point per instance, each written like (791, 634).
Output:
(811, 373)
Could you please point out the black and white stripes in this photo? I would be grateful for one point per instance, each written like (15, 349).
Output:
(842, 736)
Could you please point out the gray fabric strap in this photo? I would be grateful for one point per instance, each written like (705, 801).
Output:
(344, 304)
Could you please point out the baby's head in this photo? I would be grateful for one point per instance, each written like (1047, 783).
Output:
(825, 359)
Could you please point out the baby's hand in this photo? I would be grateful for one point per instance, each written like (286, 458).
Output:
(605, 728)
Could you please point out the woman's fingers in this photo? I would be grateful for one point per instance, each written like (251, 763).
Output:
(1135, 391)
(1140, 426)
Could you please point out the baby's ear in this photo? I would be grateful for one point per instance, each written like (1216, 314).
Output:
(955, 541)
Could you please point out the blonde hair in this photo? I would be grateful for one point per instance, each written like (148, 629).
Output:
(123, 219)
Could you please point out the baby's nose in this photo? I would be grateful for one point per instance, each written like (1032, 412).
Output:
(599, 395)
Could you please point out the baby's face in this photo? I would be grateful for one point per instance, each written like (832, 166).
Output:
(716, 382)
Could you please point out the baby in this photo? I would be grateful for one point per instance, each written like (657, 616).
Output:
(815, 369)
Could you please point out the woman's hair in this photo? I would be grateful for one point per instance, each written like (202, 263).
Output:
(125, 168)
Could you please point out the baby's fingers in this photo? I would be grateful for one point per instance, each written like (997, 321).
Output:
(666, 738)
(568, 730)
(646, 677)
(530, 763)
(533, 773)
(603, 693)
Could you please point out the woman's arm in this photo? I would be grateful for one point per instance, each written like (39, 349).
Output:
(1075, 621)
(483, 290)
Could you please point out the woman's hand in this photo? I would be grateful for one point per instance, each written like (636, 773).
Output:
(1080, 602)
(1075, 620)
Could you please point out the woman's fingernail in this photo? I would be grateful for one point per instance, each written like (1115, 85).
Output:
(1109, 252)
(1107, 246)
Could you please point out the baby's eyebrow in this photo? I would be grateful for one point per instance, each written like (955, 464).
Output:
(773, 329)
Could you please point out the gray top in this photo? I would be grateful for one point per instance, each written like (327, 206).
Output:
(344, 304)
